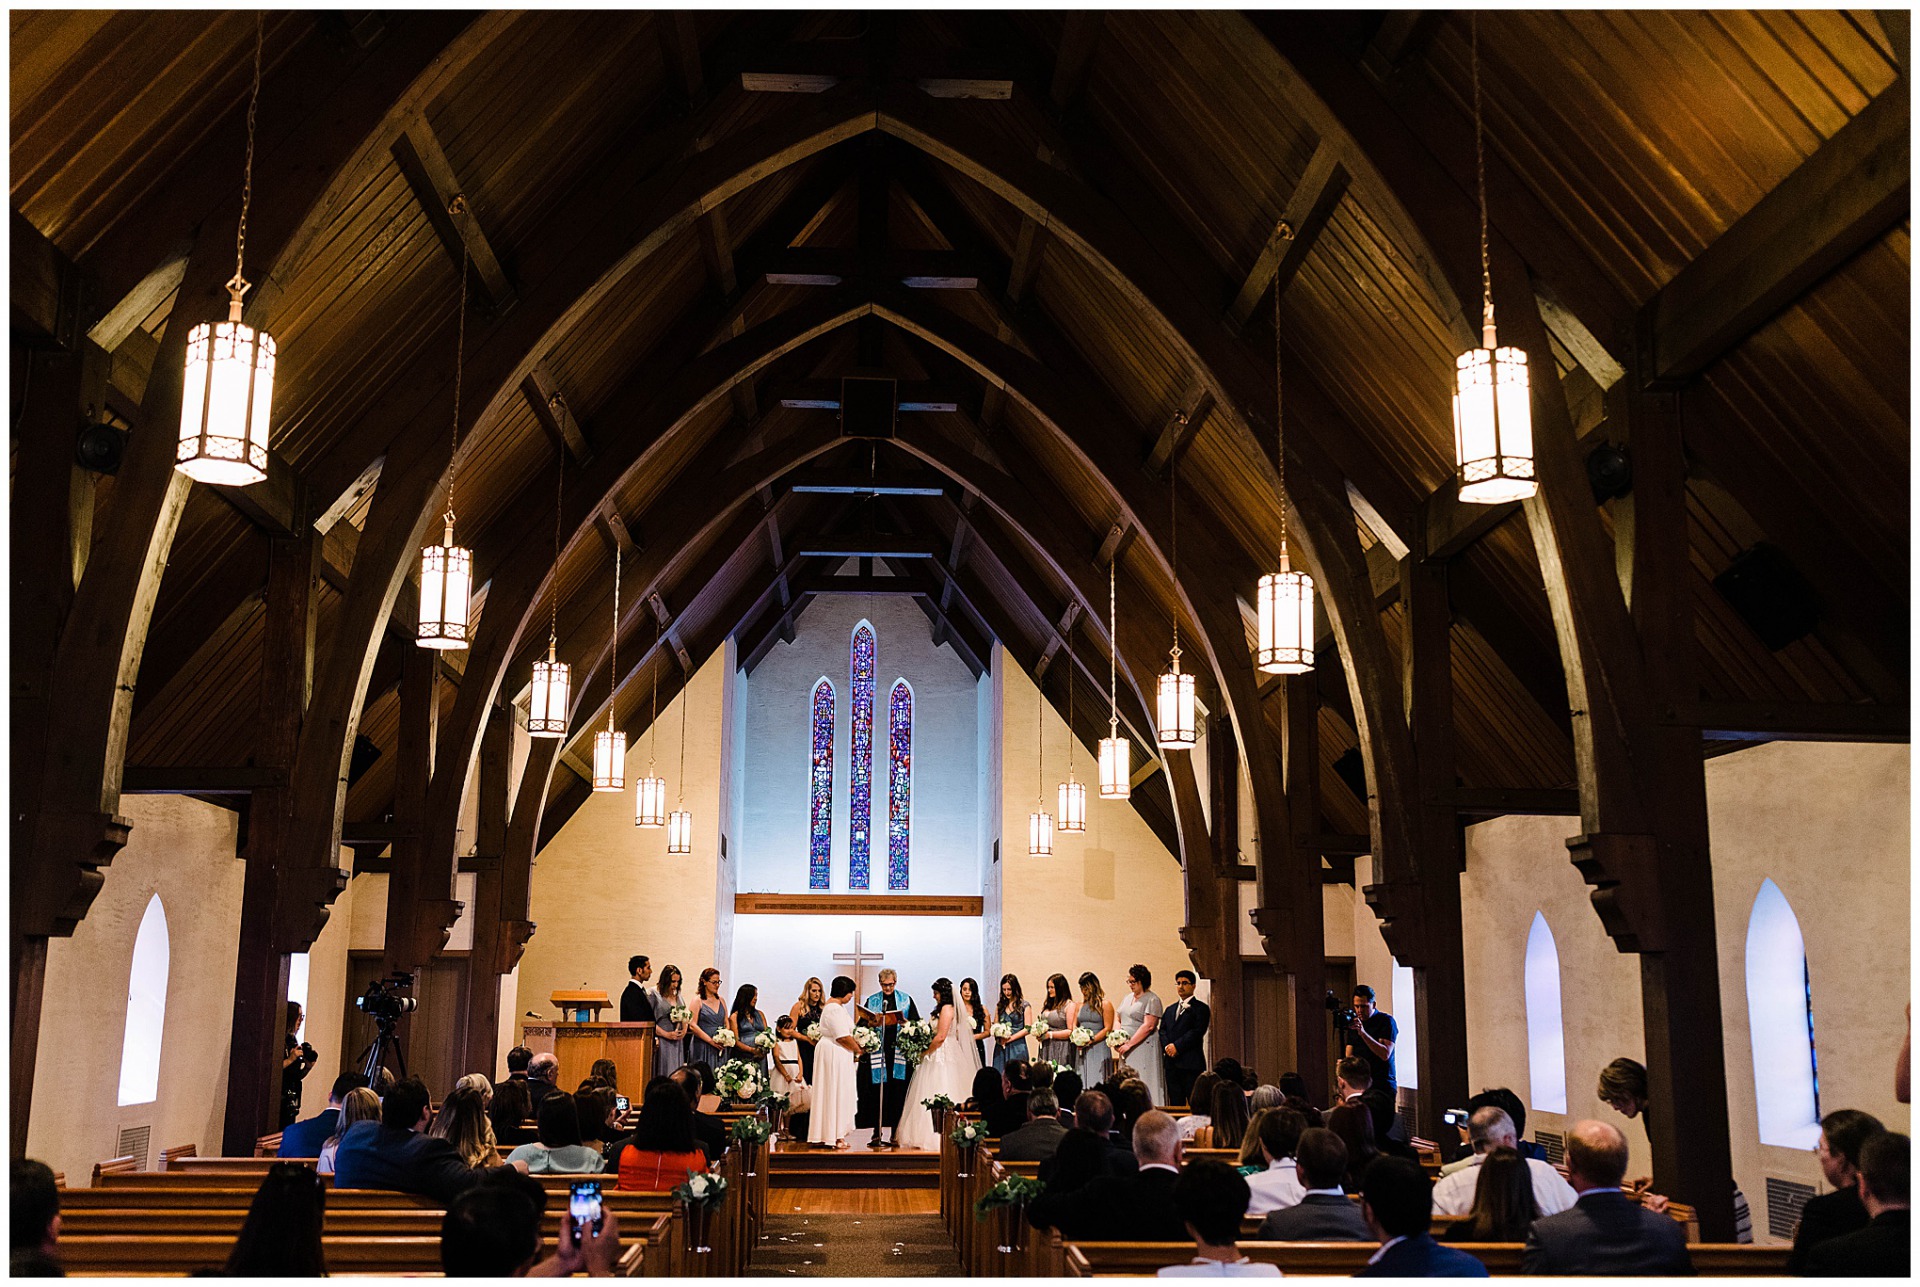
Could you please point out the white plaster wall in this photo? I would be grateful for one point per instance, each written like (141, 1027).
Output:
(604, 889)
(1105, 899)
(988, 759)
(775, 822)
(327, 992)
(778, 953)
(182, 850)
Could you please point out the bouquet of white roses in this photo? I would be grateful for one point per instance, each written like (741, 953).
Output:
(1117, 1038)
(1058, 1067)
(969, 1132)
(679, 1014)
(916, 1035)
(725, 1039)
(1081, 1037)
(702, 1186)
(1003, 1031)
(764, 1041)
(738, 1079)
(869, 1039)
(811, 1032)
(1038, 1028)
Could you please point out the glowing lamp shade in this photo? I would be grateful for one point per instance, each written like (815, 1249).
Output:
(609, 761)
(1039, 834)
(1493, 425)
(650, 802)
(1116, 768)
(1175, 731)
(680, 832)
(547, 716)
(446, 582)
(1073, 806)
(1286, 622)
(226, 403)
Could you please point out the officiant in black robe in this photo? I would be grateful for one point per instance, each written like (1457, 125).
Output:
(883, 1090)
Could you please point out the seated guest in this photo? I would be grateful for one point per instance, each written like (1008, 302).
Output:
(509, 1113)
(540, 1078)
(1199, 1105)
(1324, 1212)
(1488, 1129)
(1040, 1076)
(1398, 1206)
(663, 1147)
(1037, 1140)
(517, 1060)
(1228, 1116)
(605, 1070)
(304, 1138)
(462, 1122)
(281, 1236)
(1842, 1135)
(1606, 1232)
(477, 1082)
(1504, 1199)
(989, 1092)
(1265, 1095)
(1096, 1119)
(36, 1221)
(1299, 1105)
(1209, 1198)
(1293, 1086)
(1080, 1158)
(1277, 1184)
(1131, 1102)
(1354, 1125)
(1354, 1079)
(393, 1154)
(1883, 1249)
(360, 1105)
(560, 1150)
(1067, 1088)
(493, 1231)
(708, 1129)
(1502, 1098)
(1011, 1113)
(1230, 1070)
(1250, 1161)
(1123, 1208)
(599, 1113)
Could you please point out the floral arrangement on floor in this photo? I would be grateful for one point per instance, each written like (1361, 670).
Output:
(738, 1079)
(916, 1036)
(764, 1040)
(1014, 1191)
(1081, 1037)
(1003, 1031)
(679, 1014)
(811, 1032)
(749, 1130)
(968, 1133)
(708, 1187)
(869, 1039)
(725, 1039)
(937, 1103)
(1117, 1038)
(774, 1102)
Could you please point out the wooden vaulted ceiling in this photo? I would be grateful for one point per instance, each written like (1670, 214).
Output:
(1621, 147)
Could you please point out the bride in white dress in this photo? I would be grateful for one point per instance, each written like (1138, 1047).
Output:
(946, 1069)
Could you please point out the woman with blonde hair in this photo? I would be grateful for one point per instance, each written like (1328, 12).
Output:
(462, 1122)
(479, 1082)
(360, 1105)
(1096, 1015)
(805, 1012)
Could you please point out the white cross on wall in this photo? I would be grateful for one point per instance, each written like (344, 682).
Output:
(858, 959)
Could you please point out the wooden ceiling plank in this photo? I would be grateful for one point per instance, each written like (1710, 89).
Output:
(1080, 31)
(1308, 209)
(554, 413)
(449, 209)
(1189, 414)
(124, 318)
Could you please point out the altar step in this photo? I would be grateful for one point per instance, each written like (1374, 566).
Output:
(854, 1168)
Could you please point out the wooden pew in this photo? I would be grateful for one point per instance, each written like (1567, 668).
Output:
(267, 1145)
(1329, 1259)
(88, 1255)
(169, 1156)
(114, 1166)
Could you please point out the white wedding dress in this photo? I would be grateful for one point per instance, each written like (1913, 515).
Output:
(946, 1071)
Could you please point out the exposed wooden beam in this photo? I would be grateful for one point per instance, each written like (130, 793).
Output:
(824, 395)
(1403, 34)
(819, 583)
(613, 530)
(449, 208)
(1793, 721)
(1079, 36)
(551, 409)
(1068, 620)
(868, 547)
(1110, 543)
(1853, 188)
(914, 269)
(1334, 845)
(1308, 209)
(1182, 426)
(124, 317)
(142, 779)
(1494, 802)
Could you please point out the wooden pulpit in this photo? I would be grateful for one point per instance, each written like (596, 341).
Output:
(579, 1039)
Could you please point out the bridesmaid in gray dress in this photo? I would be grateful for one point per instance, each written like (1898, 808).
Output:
(1058, 1016)
(1139, 1016)
(1096, 1015)
(669, 1038)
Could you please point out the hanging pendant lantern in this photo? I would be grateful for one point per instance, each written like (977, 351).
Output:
(609, 744)
(1073, 796)
(680, 832)
(1176, 709)
(1116, 754)
(1039, 834)
(1492, 399)
(552, 684)
(650, 794)
(446, 590)
(1285, 598)
(1040, 822)
(226, 398)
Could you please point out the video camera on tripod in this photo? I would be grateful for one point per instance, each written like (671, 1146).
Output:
(384, 1002)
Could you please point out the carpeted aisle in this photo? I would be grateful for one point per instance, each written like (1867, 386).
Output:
(842, 1245)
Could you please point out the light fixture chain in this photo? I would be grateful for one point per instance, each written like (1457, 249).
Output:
(682, 786)
(1070, 688)
(238, 286)
(1113, 653)
(613, 662)
(1173, 551)
(1279, 423)
(1480, 174)
(653, 725)
(459, 364)
(553, 594)
(1040, 728)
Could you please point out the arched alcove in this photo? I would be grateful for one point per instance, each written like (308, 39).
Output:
(146, 1008)
(1786, 1087)
(1546, 1035)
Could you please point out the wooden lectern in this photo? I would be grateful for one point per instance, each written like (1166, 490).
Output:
(579, 1039)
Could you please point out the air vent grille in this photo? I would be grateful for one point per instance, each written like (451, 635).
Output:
(1554, 1143)
(1786, 1199)
(133, 1143)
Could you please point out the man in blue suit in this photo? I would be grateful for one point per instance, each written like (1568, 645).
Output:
(1397, 1200)
(1185, 1028)
(303, 1139)
(392, 1153)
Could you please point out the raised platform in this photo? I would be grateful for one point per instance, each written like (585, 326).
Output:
(800, 1167)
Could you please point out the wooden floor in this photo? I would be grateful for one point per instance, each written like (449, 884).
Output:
(856, 1145)
(811, 1201)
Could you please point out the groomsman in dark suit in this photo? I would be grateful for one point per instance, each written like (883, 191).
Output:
(636, 1003)
(1185, 1026)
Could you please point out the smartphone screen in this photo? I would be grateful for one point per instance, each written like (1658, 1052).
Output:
(584, 1204)
(620, 1102)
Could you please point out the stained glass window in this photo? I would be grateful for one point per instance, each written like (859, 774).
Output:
(860, 789)
(820, 787)
(900, 781)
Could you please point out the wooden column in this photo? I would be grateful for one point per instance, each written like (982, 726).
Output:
(482, 1022)
(1434, 953)
(408, 929)
(1225, 997)
(1312, 1033)
(260, 975)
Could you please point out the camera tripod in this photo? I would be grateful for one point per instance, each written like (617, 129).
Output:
(373, 1058)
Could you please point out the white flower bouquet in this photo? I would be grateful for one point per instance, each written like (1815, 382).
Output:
(725, 1039)
(916, 1035)
(1081, 1037)
(1117, 1038)
(1057, 1066)
(764, 1041)
(702, 1186)
(1003, 1031)
(1038, 1028)
(869, 1039)
(738, 1079)
(811, 1032)
(679, 1014)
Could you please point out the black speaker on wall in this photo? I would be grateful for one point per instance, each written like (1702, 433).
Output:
(1352, 770)
(1770, 595)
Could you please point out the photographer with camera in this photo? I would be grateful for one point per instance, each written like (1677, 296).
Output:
(1368, 1032)
(297, 1061)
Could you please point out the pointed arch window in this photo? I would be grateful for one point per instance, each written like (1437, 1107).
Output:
(860, 786)
(820, 790)
(899, 782)
(1546, 1034)
(1786, 1081)
(146, 1008)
